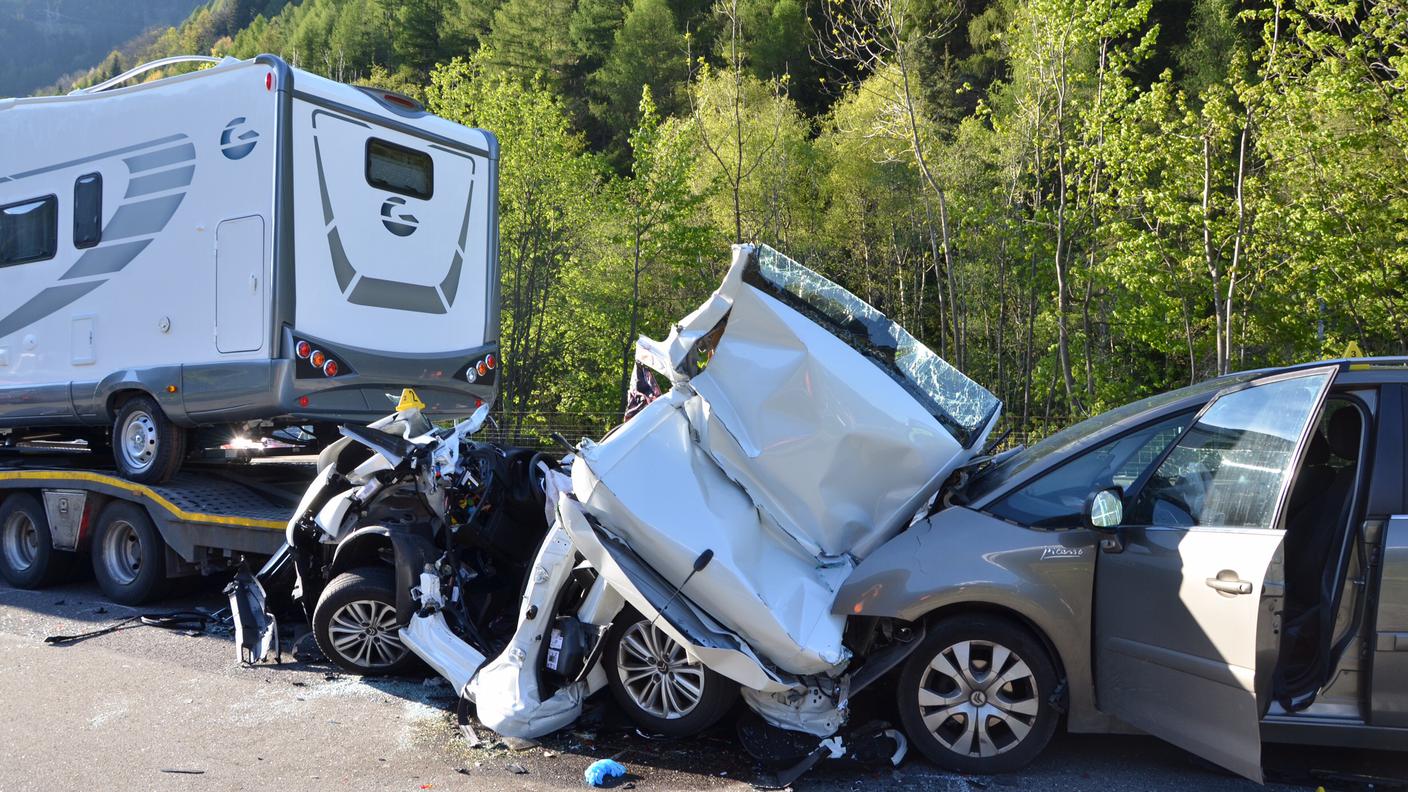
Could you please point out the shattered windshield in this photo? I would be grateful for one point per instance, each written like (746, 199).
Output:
(963, 406)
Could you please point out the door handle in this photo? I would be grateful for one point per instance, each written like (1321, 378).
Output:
(1229, 584)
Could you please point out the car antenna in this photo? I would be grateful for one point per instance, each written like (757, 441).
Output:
(699, 564)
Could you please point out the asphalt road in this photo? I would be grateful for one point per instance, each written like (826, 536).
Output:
(146, 708)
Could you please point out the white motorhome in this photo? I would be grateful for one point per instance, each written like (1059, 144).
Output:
(247, 245)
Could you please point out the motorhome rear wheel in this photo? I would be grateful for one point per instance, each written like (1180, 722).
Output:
(146, 445)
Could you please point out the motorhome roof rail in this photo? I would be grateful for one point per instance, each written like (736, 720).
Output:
(144, 68)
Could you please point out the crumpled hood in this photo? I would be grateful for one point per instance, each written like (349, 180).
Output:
(802, 432)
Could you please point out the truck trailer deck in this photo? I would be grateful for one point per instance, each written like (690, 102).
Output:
(58, 509)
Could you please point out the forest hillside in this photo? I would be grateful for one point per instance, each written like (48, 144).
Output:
(1077, 202)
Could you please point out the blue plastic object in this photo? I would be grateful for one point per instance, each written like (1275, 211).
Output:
(603, 771)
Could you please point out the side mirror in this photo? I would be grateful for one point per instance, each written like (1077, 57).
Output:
(1104, 509)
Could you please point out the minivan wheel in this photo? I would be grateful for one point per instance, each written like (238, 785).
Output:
(146, 445)
(975, 696)
(657, 685)
(27, 555)
(355, 624)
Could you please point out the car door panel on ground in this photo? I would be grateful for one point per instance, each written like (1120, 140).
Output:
(1185, 627)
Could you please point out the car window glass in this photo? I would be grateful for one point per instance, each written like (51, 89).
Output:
(1053, 446)
(1230, 468)
(1057, 499)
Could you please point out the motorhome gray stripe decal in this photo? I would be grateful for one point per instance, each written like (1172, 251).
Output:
(399, 126)
(143, 217)
(45, 303)
(156, 159)
(95, 157)
(323, 186)
(341, 267)
(451, 285)
(379, 293)
(105, 259)
(157, 182)
(316, 113)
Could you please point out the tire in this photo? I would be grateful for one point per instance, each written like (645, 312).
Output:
(129, 555)
(354, 602)
(632, 645)
(147, 447)
(28, 559)
(1010, 705)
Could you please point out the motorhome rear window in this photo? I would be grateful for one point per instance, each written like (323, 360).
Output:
(88, 210)
(29, 230)
(399, 169)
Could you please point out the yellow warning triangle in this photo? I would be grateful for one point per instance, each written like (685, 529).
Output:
(1352, 350)
(410, 401)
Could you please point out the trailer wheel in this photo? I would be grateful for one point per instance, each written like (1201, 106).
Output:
(146, 445)
(129, 555)
(355, 624)
(27, 555)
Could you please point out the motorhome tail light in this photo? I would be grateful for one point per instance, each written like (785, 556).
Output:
(330, 368)
(317, 358)
(482, 368)
(302, 401)
(470, 375)
(269, 81)
(490, 361)
(304, 349)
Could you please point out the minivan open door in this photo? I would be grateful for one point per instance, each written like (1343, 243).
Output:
(1186, 628)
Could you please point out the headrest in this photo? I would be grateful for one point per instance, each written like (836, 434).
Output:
(1343, 431)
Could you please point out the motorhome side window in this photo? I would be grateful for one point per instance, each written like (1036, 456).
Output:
(29, 230)
(400, 169)
(88, 210)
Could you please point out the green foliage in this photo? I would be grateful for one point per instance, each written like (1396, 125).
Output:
(646, 51)
(1078, 203)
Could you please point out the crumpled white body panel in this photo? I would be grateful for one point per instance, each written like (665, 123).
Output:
(823, 440)
(790, 455)
(505, 691)
(654, 487)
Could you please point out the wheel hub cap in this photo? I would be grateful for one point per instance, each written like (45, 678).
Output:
(139, 440)
(364, 632)
(978, 698)
(122, 553)
(20, 542)
(656, 673)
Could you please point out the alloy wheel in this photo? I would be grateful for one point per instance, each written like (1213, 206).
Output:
(657, 674)
(978, 698)
(364, 632)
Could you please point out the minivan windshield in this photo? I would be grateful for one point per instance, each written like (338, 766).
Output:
(1054, 447)
(961, 405)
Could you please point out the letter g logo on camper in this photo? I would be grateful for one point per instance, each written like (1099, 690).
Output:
(236, 141)
(402, 224)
